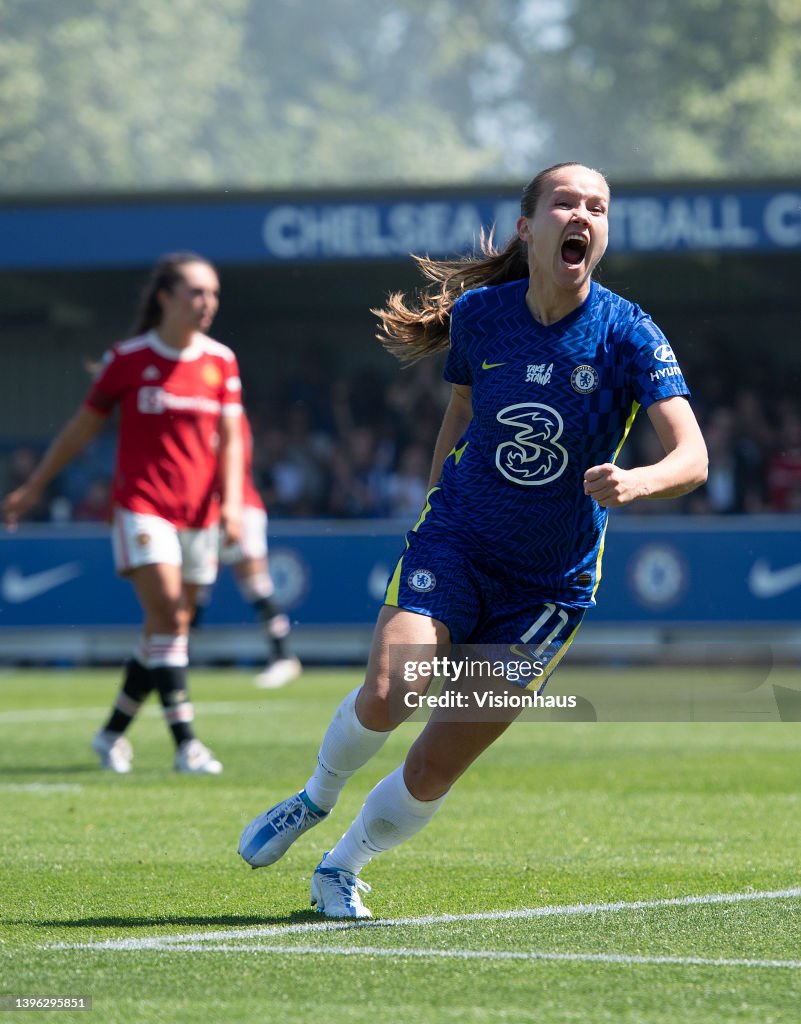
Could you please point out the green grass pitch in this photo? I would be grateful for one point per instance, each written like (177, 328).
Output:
(580, 872)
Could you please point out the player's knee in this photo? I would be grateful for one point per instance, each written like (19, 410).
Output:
(255, 587)
(167, 617)
(427, 774)
(278, 625)
(381, 707)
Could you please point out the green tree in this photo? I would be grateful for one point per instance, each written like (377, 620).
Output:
(142, 94)
(110, 93)
(670, 88)
(365, 93)
(145, 94)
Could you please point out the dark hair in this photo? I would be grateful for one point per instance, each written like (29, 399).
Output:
(164, 277)
(412, 330)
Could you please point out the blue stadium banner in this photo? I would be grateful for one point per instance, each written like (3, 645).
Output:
(271, 230)
(718, 572)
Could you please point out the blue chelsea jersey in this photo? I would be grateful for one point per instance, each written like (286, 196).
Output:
(548, 403)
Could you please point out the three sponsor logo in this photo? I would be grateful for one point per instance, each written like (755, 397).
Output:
(534, 456)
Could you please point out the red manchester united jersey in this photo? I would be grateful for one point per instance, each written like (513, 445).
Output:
(171, 401)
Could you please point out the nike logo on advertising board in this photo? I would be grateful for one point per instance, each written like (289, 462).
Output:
(16, 588)
(490, 366)
(766, 582)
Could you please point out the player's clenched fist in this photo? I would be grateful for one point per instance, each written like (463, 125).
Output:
(611, 486)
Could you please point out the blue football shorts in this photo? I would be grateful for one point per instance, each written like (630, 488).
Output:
(488, 616)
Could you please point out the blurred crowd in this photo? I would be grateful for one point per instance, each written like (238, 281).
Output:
(359, 447)
(754, 456)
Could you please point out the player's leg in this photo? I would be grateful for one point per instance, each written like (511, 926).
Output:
(257, 589)
(365, 718)
(406, 800)
(202, 602)
(137, 540)
(197, 571)
(160, 591)
(109, 743)
(248, 561)
(359, 728)
(400, 805)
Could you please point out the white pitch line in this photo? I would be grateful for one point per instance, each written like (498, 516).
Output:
(486, 954)
(199, 939)
(40, 787)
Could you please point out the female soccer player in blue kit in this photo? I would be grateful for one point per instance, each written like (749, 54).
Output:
(548, 369)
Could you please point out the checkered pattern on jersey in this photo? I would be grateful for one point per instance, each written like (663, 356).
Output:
(549, 401)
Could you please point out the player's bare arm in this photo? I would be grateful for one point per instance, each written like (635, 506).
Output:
(454, 423)
(232, 466)
(683, 468)
(84, 426)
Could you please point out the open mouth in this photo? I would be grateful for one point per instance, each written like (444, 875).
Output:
(574, 249)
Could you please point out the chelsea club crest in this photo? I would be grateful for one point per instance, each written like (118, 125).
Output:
(421, 580)
(584, 379)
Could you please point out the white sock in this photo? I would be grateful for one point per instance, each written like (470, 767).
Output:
(389, 817)
(346, 746)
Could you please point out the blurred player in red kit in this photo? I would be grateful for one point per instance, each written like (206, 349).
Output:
(177, 486)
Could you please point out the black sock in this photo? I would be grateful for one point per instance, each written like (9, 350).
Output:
(268, 611)
(136, 687)
(279, 646)
(172, 686)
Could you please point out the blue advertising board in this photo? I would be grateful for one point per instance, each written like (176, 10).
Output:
(666, 571)
(271, 230)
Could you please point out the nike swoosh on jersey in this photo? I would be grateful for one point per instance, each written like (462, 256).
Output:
(16, 588)
(490, 366)
(766, 582)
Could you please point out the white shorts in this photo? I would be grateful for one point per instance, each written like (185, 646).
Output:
(140, 539)
(253, 542)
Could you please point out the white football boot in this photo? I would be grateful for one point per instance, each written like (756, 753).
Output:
(195, 759)
(267, 838)
(115, 751)
(337, 893)
(278, 674)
